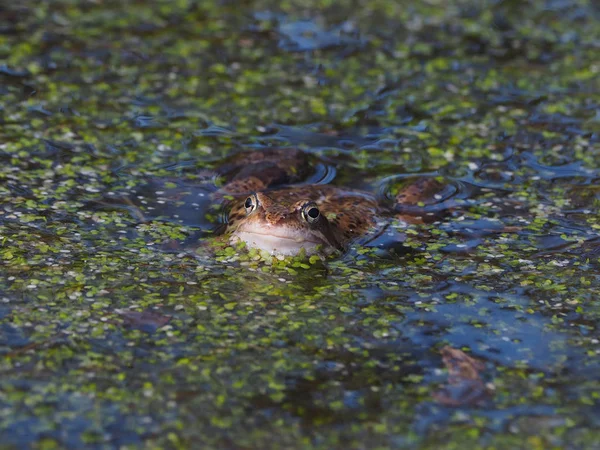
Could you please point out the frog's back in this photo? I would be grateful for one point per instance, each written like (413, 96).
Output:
(252, 171)
(352, 213)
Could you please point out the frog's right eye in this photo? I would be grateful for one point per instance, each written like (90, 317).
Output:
(251, 203)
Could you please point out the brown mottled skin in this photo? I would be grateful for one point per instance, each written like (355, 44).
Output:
(270, 214)
(255, 171)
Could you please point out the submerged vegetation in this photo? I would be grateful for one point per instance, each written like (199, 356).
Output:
(129, 324)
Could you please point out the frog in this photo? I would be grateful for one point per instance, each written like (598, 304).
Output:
(272, 210)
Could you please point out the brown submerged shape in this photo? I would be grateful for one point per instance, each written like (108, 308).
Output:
(465, 386)
(270, 213)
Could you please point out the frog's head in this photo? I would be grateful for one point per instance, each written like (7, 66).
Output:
(282, 222)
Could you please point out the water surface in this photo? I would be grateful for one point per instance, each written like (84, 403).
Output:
(124, 330)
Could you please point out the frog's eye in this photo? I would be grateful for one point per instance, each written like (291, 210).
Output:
(251, 203)
(311, 213)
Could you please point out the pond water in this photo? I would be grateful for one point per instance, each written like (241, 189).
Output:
(125, 323)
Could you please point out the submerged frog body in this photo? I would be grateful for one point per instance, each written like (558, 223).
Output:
(316, 218)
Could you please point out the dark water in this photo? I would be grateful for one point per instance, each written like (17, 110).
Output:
(123, 323)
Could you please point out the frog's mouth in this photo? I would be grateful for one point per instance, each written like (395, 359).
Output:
(281, 241)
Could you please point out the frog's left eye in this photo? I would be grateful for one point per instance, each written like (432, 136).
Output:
(251, 203)
(311, 213)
